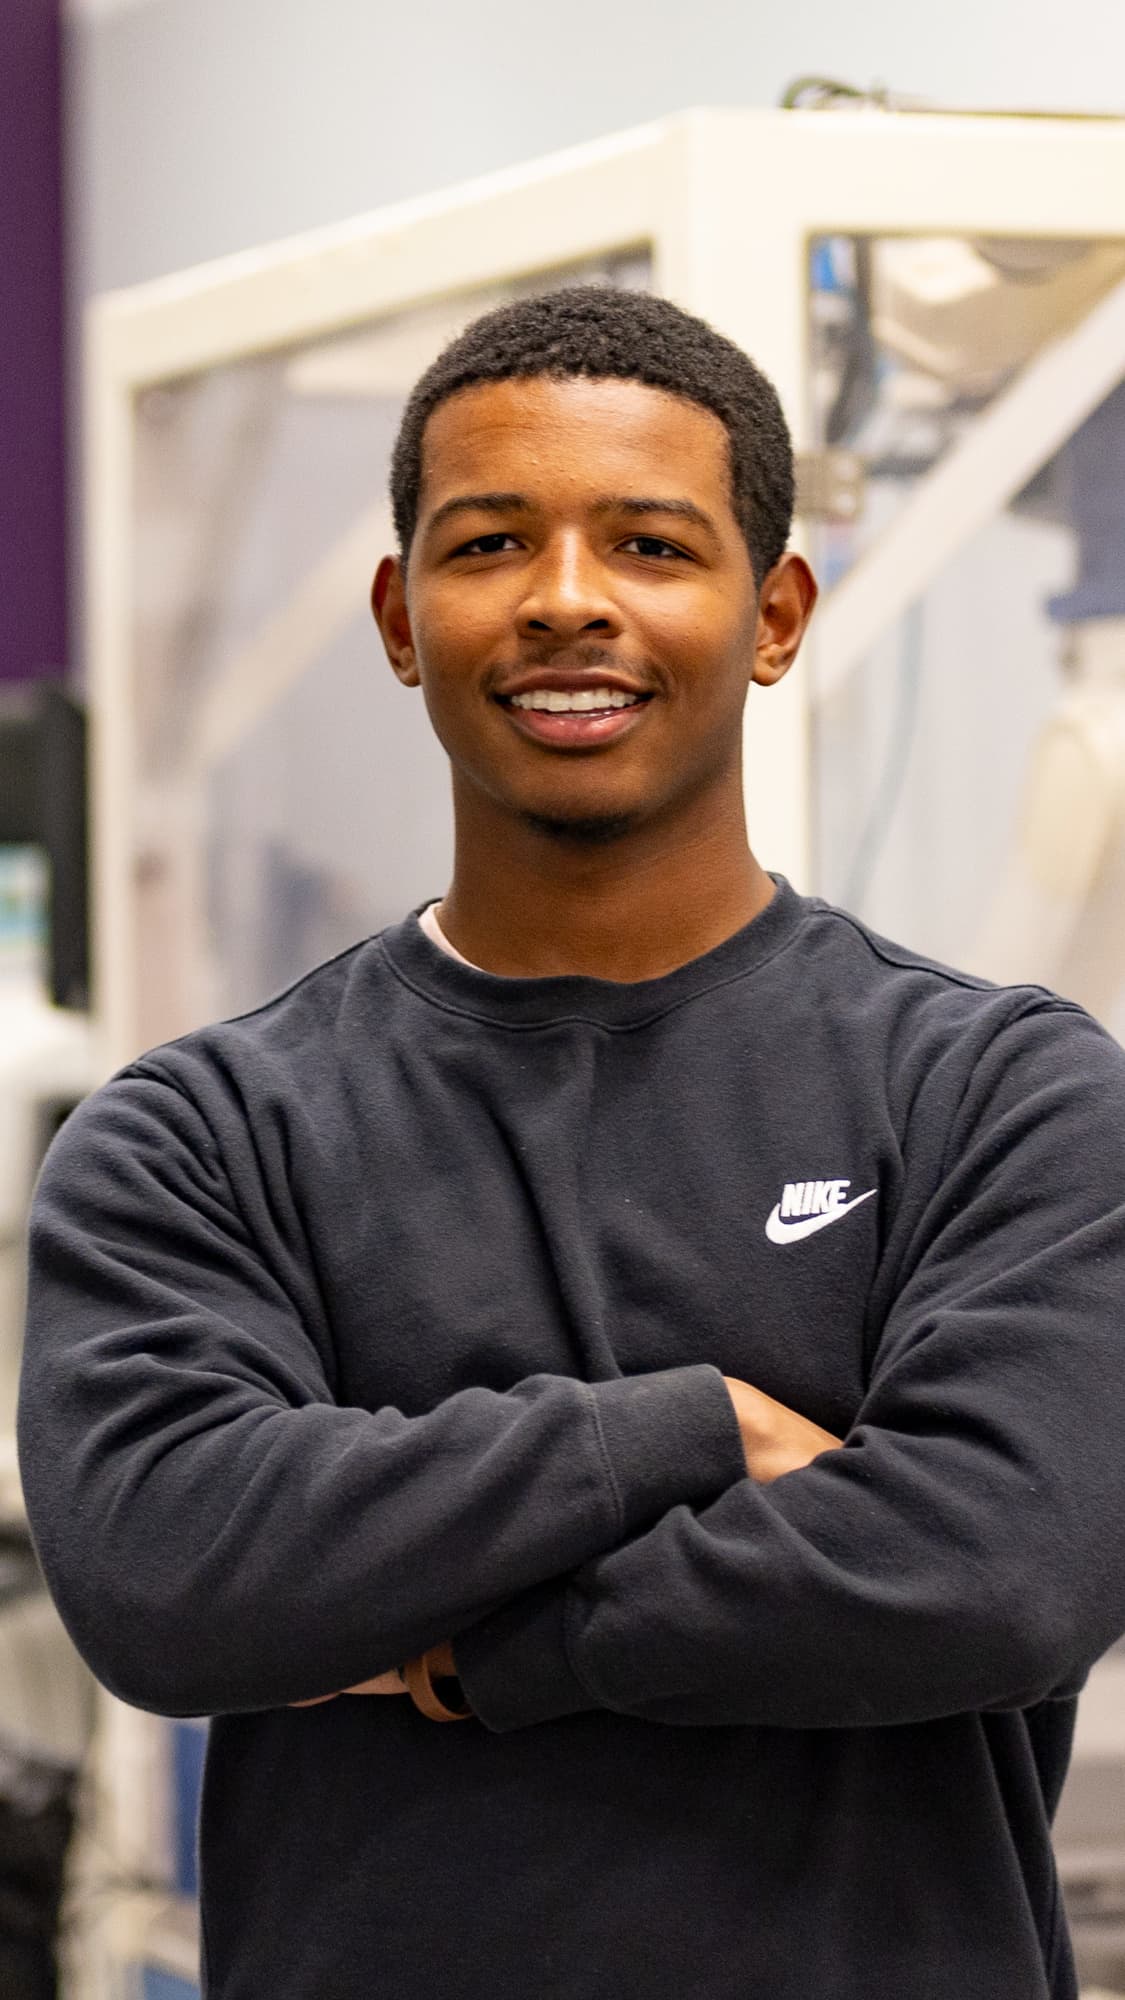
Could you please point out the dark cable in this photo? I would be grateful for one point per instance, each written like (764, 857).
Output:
(858, 384)
(825, 90)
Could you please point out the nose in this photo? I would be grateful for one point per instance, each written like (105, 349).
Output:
(568, 591)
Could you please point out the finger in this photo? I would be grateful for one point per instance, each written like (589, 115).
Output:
(388, 1683)
(314, 1702)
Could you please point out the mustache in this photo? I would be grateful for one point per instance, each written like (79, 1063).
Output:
(579, 659)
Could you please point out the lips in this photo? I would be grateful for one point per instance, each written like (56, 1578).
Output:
(578, 729)
(574, 729)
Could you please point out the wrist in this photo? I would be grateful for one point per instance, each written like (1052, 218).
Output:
(433, 1686)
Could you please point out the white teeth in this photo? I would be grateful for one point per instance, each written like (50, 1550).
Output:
(559, 703)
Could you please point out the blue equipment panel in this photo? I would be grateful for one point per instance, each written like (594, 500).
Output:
(158, 1985)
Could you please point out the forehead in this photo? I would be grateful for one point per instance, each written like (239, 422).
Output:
(537, 433)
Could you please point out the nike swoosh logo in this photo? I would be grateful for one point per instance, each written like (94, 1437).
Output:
(807, 1225)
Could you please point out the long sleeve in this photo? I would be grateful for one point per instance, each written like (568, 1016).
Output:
(219, 1531)
(964, 1549)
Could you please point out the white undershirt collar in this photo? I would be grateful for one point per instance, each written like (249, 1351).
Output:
(433, 930)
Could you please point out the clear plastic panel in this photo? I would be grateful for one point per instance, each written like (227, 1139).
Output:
(969, 762)
(291, 797)
(914, 338)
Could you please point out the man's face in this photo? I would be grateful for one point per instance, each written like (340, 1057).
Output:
(609, 555)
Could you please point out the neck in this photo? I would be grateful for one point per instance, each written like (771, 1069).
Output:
(526, 904)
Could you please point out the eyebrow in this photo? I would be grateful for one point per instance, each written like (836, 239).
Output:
(633, 504)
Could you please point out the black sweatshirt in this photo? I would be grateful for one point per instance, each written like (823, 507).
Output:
(396, 1311)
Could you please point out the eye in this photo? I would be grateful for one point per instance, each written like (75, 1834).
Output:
(478, 543)
(656, 542)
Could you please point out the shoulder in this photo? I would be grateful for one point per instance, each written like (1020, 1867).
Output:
(879, 963)
(293, 1026)
(863, 967)
(269, 1065)
(942, 1037)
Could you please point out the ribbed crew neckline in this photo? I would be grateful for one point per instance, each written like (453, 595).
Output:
(517, 1002)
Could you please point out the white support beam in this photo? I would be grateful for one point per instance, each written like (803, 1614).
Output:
(1004, 446)
(324, 601)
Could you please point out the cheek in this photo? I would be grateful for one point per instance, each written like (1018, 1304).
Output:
(708, 680)
(457, 645)
(703, 632)
(447, 706)
(453, 680)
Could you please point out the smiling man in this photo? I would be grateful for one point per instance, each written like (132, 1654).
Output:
(626, 1310)
(568, 601)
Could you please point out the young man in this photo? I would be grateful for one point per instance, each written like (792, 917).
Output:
(666, 1321)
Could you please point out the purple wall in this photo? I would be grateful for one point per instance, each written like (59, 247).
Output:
(33, 624)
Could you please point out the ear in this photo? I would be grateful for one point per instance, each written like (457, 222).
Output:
(785, 606)
(388, 605)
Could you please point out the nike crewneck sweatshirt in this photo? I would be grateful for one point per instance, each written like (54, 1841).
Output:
(396, 1311)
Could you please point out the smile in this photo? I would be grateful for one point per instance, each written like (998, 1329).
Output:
(575, 721)
(565, 701)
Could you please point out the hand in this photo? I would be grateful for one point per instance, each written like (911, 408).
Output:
(775, 1439)
(441, 1662)
(388, 1683)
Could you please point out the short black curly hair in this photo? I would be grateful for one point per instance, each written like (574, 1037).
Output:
(603, 332)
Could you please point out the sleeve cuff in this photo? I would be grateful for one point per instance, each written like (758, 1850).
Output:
(514, 1667)
(669, 1437)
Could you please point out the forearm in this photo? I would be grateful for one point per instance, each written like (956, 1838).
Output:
(220, 1534)
(279, 1554)
(910, 1575)
(775, 1440)
(754, 1612)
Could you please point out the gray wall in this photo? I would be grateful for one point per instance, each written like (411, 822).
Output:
(204, 126)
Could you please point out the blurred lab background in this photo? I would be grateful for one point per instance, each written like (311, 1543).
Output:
(208, 779)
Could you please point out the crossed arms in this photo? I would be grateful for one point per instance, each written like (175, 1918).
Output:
(221, 1535)
(775, 1440)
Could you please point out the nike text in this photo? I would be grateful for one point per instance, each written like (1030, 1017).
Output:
(807, 1206)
